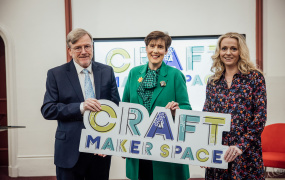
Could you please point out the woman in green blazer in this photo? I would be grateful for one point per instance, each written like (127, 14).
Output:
(151, 85)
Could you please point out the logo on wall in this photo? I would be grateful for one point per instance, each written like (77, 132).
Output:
(192, 56)
(171, 59)
(118, 51)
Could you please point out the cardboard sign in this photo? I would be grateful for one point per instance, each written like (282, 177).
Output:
(128, 130)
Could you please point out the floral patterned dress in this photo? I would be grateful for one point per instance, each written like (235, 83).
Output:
(246, 101)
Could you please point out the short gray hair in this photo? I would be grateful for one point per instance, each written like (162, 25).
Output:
(74, 35)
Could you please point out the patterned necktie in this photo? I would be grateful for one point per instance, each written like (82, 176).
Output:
(89, 93)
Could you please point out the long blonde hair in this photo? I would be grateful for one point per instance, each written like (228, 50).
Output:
(244, 63)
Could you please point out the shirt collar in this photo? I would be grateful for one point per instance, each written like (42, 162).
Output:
(79, 69)
(236, 74)
(157, 71)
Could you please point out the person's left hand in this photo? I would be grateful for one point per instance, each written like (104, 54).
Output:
(172, 106)
(102, 155)
(232, 153)
(92, 104)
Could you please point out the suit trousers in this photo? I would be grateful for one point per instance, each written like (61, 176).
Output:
(88, 167)
(145, 170)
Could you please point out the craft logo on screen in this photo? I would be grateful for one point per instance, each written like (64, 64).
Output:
(188, 64)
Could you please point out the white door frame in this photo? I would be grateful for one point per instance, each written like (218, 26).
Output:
(12, 116)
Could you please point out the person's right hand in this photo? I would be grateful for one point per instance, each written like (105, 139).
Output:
(92, 105)
(102, 155)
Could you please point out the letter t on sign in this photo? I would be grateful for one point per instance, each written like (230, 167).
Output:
(214, 122)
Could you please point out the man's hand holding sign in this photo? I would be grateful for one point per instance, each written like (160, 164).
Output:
(128, 130)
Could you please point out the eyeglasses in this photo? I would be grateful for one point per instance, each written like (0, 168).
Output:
(79, 48)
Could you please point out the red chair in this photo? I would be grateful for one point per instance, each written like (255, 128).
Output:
(273, 145)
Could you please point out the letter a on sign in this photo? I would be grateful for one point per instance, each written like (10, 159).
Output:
(161, 126)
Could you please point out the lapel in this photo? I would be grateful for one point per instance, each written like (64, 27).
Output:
(73, 78)
(162, 77)
(141, 74)
(97, 78)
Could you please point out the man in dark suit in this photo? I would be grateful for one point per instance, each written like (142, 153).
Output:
(67, 97)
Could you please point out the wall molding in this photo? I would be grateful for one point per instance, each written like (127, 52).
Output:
(38, 165)
(68, 23)
(11, 87)
(259, 34)
(36, 156)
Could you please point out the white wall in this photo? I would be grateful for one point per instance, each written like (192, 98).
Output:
(37, 37)
(37, 31)
(274, 62)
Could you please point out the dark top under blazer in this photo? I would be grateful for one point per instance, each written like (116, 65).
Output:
(62, 103)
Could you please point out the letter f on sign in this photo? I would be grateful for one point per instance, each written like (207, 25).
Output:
(186, 128)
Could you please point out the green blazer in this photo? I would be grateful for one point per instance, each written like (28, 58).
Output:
(175, 90)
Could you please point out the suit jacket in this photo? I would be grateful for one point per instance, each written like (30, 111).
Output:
(62, 103)
(175, 90)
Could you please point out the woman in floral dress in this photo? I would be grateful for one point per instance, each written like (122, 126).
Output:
(238, 88)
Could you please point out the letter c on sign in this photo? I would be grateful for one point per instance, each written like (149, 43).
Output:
(114, 52)
(198, 155)
(109, 126)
